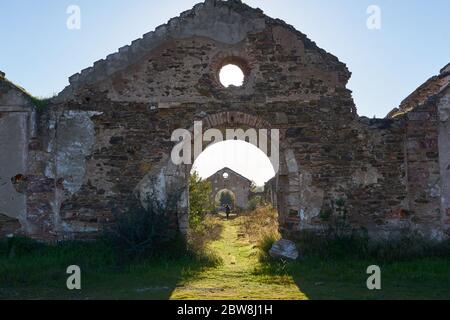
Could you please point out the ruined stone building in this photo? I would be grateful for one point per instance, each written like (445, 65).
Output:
(231, 181)
(68, 167)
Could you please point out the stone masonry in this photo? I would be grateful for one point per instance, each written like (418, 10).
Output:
(66, 169)
(233, 182)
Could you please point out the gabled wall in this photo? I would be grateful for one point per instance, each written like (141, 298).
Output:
(235, 183)
(108, 134)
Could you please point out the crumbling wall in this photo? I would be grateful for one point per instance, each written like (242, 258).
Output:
(443, 106)
(108, 135)
(17, 115)
(57, 171)
(169, 79)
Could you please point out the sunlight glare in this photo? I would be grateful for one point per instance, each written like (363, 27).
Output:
(240, 156)
(231, 75)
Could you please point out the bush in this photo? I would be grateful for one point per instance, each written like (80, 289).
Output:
(260, 222)
(409, 246)
(255, 203)
(357, 244)
(199, 200)
(261, 227)
(336, 217)
(265, 244)
(144, 230)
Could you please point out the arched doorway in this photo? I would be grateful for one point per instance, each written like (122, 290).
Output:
(224, 197)
(171, 175)
(237, 166)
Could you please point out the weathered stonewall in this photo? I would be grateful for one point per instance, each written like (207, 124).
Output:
(66, 170)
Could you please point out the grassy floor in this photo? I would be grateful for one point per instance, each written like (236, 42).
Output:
(237, 277)
(346, 279)
(40, 274)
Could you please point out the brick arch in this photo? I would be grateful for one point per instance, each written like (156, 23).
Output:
(235, 118)
(238, 119)
(286, 181)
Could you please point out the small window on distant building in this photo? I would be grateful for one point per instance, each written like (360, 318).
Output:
(226, 175)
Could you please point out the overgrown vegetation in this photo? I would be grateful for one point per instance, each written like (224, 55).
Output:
(199, 200)
(327, 268)
(339, 240)
(138, 252)
(261, 228)
(332, 265)
(143, 231)
(357, 245)
(255, 202)
(38, 271)
(336, 217)
(40, 103)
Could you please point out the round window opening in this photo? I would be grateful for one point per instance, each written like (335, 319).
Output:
(231, 75)
(225, 175)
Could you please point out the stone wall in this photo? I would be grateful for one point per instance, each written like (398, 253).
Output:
(234, 182)
(108, 135)
(17, 127)
(443, 107)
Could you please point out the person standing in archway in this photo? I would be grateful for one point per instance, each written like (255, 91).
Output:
(227, 211)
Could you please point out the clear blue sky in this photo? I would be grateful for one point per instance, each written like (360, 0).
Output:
(39, 53)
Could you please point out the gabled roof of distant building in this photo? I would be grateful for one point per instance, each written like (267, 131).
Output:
(228, 170)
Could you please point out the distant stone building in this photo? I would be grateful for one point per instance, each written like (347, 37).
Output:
(228, 180)
(66, 169)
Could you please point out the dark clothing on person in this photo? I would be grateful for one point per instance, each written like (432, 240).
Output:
(227, 211)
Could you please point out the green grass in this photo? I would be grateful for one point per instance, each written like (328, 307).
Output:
(236, 278)
(39, 272)
(318, 279)
(29, 270)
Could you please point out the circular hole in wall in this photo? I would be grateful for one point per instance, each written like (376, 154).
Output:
(231, 75)
(226, 175)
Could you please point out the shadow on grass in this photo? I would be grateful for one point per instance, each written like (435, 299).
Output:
(29, 270)
(345, 278)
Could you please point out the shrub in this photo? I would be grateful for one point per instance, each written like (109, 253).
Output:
(256, 224)
(357, 244)
(408, 246)
(199, 200)
(265, 244)
(144, 230)
(255, 203)
(336, 217)
(261, 227)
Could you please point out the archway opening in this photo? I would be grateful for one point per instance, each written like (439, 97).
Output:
(233, 173)
(223, 198)
(240, 156)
